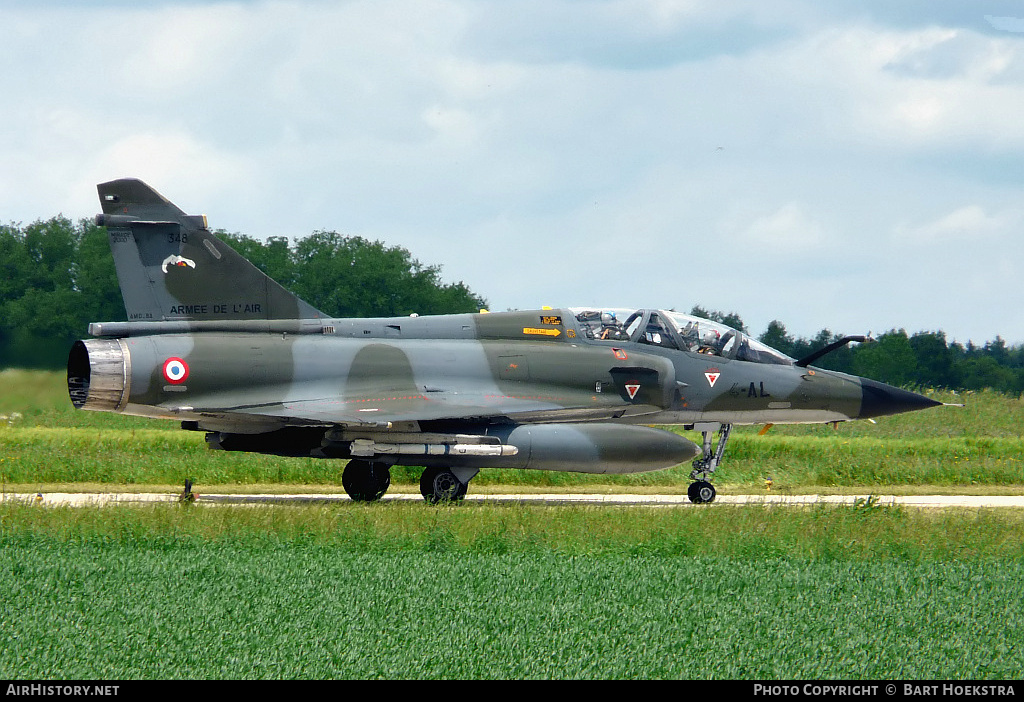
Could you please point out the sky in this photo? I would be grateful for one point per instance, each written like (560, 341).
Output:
(856, 165)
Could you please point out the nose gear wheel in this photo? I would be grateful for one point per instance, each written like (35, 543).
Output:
(701, 491)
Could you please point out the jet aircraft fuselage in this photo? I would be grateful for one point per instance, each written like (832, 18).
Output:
(215, 344)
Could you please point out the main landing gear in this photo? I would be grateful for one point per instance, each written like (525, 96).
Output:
(701, 490)
(367, 481)
(445, 484)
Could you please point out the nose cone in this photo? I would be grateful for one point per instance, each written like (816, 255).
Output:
(879, 399)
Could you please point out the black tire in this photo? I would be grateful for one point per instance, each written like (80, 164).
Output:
(701, 492)
(441, 485)
(365, 481)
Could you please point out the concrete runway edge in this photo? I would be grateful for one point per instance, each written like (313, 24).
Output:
(933, 501)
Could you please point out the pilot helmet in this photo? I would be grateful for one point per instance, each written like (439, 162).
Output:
(607, 318)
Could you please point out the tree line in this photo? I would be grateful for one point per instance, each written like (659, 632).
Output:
(924, 359)
(56, 276)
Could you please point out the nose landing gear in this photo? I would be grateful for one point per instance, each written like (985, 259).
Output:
(701, 491)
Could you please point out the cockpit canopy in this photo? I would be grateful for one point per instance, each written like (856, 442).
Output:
(675, 330)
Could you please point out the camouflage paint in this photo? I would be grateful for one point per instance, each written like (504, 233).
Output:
(213, 342)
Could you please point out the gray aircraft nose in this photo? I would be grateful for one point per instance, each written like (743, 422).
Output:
(879, 399)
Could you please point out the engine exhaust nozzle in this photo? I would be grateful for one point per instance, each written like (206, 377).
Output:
(99, 375)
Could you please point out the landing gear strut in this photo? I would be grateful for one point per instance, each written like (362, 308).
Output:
(702, 491)
(365, 481)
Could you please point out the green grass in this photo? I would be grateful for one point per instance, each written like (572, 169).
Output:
(405, 590)
(45, 455)
(409, 591)
(864, 532)
(115, 612)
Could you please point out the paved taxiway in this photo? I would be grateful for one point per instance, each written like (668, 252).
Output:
(98, 499)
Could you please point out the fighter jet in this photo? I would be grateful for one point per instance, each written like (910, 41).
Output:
(218, 346)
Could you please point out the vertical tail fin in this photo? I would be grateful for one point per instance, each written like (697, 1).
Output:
(170, 267)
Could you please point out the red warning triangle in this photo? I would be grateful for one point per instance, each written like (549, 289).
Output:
(712, 377)
(632, 389)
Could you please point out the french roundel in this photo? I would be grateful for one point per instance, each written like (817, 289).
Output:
(175, 370)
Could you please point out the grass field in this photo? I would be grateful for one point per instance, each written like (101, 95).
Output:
(410, 591)
(205, 612)
(405, 590)
(980, 446)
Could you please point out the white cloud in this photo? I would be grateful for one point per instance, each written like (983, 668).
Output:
(548, 151)
(789, 228)
(969, 224)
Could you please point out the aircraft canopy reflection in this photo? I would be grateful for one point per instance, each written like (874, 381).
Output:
(675, 330)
